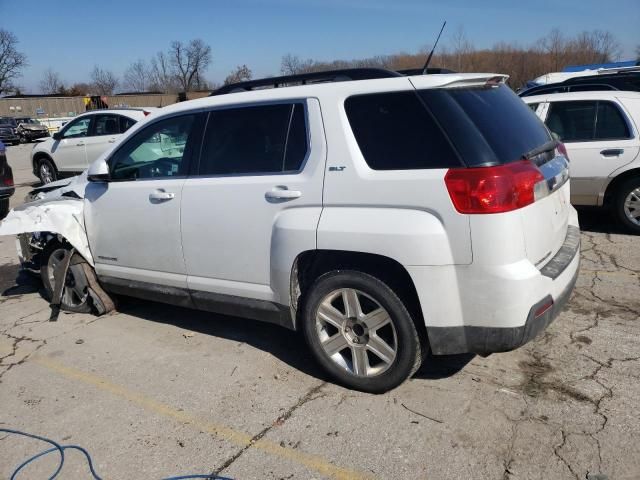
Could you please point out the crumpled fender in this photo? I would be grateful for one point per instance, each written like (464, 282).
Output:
(63, 216)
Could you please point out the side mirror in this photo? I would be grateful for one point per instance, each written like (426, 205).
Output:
(98, 171)
(57, 136)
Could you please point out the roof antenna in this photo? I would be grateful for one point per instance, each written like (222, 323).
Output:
(426, 64)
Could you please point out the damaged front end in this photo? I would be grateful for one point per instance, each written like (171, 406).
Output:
(52, 240)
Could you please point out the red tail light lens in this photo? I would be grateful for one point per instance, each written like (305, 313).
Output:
(8, 182)
(146, 112)
(498, 189)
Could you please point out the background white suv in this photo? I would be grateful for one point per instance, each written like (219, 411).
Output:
(601, 131)
(384, 218)
(82, 140)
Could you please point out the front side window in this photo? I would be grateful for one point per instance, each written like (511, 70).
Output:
(573, 121)
(106, 125)
(77, 128)
(158, 151)
(254, 140)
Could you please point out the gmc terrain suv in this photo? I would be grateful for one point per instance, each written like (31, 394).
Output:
(383, 216)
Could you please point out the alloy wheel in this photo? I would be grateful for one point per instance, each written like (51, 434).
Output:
(356, 332)
(46, 173)
(632, 206)
(76, 290)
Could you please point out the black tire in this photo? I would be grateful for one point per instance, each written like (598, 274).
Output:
(46, 170)
(404, 337)
(70, 302)
(4, 208)
(630, 189)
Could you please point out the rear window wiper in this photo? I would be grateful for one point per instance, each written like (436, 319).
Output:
(545, 147)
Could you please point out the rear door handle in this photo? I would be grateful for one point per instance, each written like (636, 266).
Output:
(79, 144)
(282, 193)
(112, 140)
(612, 152)
(160, 195)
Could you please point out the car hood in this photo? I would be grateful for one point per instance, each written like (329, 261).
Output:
(67, 187)
(31, 126)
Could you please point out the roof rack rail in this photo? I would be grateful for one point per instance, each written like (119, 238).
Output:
(307, 78)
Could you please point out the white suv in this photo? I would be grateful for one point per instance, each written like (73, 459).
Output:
(383, 218)
(82, 140)
(601, 131)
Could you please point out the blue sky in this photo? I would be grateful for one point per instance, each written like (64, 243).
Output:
(71, 36)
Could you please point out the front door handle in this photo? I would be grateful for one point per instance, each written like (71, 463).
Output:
(160, 195)
(79, 144)
(282, 193)
(112, 140)
(612, 152)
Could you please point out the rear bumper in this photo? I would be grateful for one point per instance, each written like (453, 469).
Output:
(485, 340)
(500, 312)
(9, 138)
(6, 192)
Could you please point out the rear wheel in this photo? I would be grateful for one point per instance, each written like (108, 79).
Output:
(627, 204)
(46, 171)
(75, 295)
(360, 331)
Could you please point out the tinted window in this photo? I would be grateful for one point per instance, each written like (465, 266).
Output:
(106, 125)
(158, 151)
(77, 128)
(610, 123)
(126, 123)
(488, 125)
(572, 121)
(395, 132)
(262, 139)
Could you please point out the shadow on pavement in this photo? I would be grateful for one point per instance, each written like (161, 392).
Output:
(599, 220)
(14, 281)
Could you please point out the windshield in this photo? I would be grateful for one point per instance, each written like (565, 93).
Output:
(30, 121)
(487, 125)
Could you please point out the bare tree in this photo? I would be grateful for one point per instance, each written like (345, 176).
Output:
(80, 89)
(461, 46)
(555, 46)
(104, 81)
(11, 60)
(189, 62)
(293, 65)
(51, 83)
(239, 74)
(161, 76)
(137, 77)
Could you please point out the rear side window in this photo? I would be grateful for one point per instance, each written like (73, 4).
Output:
(395, 132)
(126, 123)
(105, 125)
(488, 125)
(587, 120)
(610, 124)
(254, 140)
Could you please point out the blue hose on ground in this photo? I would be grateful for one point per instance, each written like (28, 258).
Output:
(61, 449)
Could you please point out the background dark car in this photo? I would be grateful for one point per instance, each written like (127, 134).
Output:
(9, 131)
(626, 81)
(6, 182)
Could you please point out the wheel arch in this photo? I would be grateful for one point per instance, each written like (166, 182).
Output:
(39, 156)
(612, 188)
(311, 264)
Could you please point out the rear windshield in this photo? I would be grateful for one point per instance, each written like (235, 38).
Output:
(487, 125)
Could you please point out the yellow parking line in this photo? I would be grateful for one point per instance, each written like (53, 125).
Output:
(313, 462)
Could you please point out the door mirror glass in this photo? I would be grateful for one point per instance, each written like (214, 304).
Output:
(98, 171)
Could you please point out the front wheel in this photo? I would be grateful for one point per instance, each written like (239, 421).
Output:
(360, 331)
(627, 204)
(46, 171)
(75, 293)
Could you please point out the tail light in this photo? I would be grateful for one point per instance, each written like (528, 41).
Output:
(8, 182)
(498, 189)
(146, 112)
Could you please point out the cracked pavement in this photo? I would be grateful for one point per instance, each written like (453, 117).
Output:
(153, 390)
